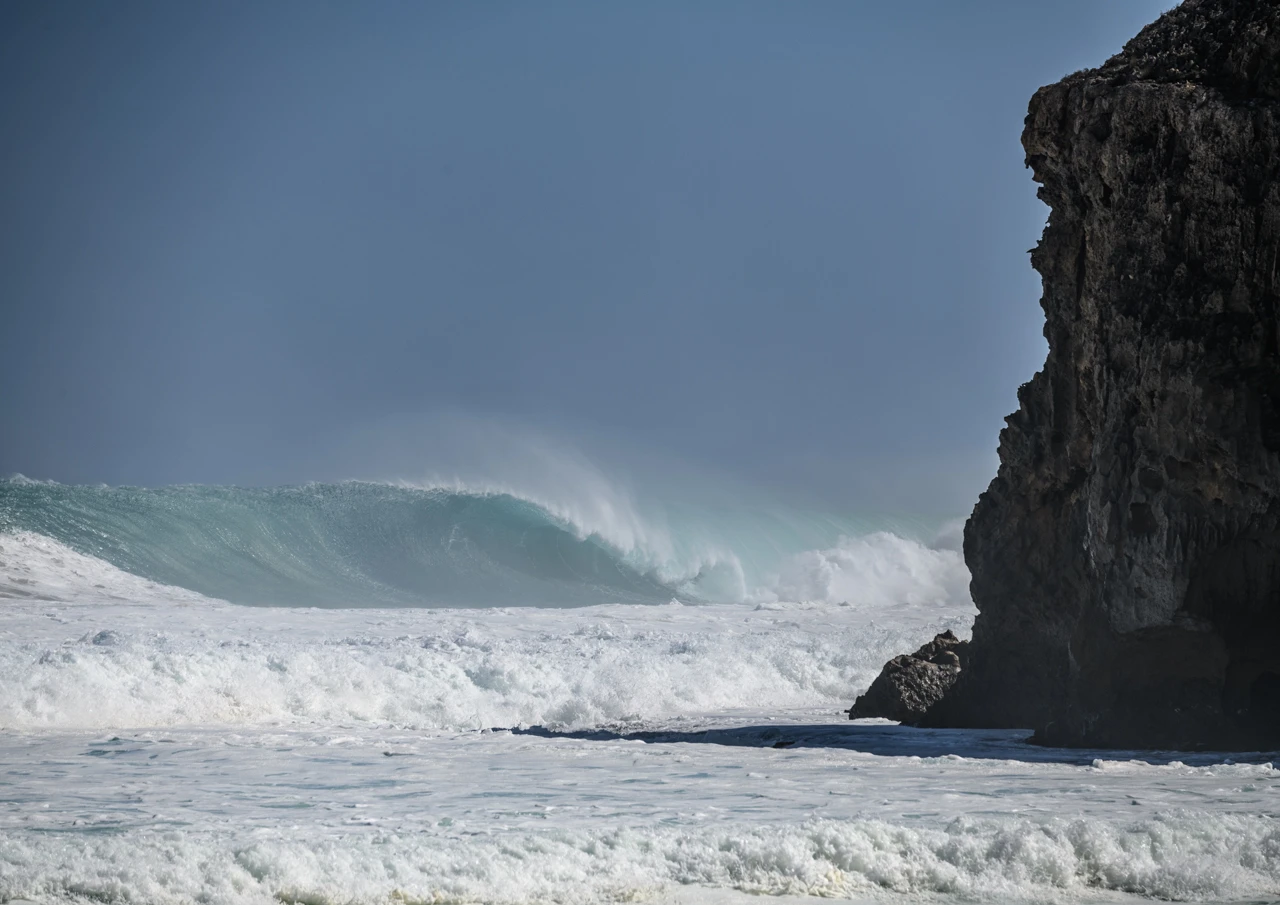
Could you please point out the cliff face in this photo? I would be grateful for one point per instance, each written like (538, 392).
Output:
(1126, 558)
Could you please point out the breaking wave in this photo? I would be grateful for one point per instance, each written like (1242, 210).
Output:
(107, 666)
(367, 544)
(1193, 856)
(450, 607)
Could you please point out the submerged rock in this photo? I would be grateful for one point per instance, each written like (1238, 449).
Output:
(1126, 558)
(910, 684)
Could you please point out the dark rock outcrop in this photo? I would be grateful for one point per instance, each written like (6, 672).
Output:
(1126, 558)
(910, 684)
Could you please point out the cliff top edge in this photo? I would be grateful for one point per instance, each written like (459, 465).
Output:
(1230, 45)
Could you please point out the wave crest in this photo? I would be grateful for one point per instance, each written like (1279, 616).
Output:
(452, 544)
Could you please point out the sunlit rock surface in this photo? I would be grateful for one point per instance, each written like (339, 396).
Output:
(910, 684)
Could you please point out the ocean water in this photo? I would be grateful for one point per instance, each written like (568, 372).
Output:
(362, 693)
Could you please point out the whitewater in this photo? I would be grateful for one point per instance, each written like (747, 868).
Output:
(447, 692)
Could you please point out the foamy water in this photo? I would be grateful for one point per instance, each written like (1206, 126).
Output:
(162, 746)
(362, 814)
(86, 657)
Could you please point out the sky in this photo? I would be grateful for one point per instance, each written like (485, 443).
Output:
(780, 243)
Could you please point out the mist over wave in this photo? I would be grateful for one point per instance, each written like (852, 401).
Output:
(286, 753)
(454, 604)
(449, 543)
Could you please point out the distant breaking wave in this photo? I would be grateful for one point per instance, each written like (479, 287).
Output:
(368, 544)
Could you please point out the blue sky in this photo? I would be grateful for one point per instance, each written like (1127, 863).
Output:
(782, 242)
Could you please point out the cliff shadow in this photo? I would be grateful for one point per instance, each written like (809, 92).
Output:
(886, 739)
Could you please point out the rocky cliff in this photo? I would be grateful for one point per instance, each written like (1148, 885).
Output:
(1126, 558)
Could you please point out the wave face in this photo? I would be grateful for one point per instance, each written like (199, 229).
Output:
(367, 544)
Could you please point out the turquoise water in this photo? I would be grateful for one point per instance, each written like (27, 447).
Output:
(163, 746)
(369, 544)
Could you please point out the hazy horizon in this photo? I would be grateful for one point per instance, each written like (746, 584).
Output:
(769, 246)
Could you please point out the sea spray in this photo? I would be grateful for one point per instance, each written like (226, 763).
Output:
(367, 544)
(103, 664)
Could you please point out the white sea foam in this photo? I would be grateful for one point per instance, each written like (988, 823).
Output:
(325, 815)
(108, 665)
(1189, 857)
(35, 566)
(566, 536)
(332, 756)
(880, 570)
(104, 658)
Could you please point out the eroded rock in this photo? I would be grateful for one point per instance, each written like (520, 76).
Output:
(910, 684)
(1126, 558)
